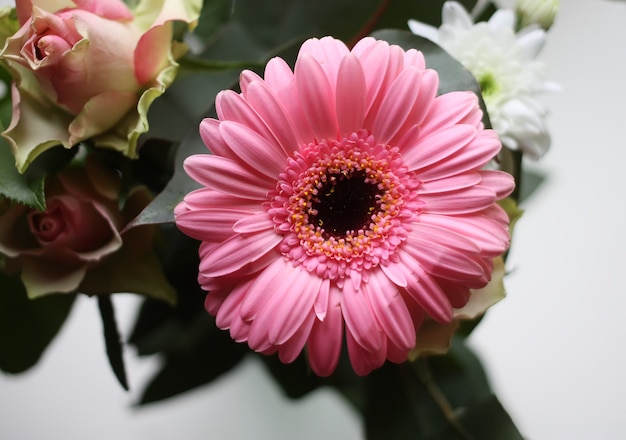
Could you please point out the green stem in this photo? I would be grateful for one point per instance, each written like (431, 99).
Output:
(423, 373)
(192, 64)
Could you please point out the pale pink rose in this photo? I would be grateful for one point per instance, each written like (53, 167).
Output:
(53, 249)
(97, 62)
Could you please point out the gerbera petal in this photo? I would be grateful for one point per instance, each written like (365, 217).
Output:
(391, 311)
(415, 58)
(253, 223)
(246, 78)
(281, 81)
(449, 109)
(262, 154)
(322, 300)
(452, 183)
(460, 201)
(210, 135)
(230, 305)
(363, 361)
(328, 52)
(274, 115)
(277, 291)
(397, 105)
(488, 235)
(500, 182)
(374, 55)
(316, 97)
(457, 293)
(421, 108)
(450, 238)
(447, 263)
(351, 95)
(289, 351)
(472, 156)
(231, 106)
(193, 223)
(360, 320)
(206, 198)
(437, 146)
(237, 251)
(395, 273)
(394, 68)
(227, 176)
(289, 314)
(214, 300)
(324, 345)
(425, 291)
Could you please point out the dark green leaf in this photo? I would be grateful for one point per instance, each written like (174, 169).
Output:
(438, 397)
(394, 406)
(201, 353)
(27, 326)
(486, 420)
(215, 13)
(16, 186)
(296, 379)
(127, 272)
(460, 375)
(112, 339)
(394, 14)
(180, 263)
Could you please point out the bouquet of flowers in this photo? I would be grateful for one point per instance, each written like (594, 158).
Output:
(330, 186)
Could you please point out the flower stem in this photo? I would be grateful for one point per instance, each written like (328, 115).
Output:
(193, 64)
(423, 373)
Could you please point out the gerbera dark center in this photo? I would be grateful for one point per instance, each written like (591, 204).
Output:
(344, 203)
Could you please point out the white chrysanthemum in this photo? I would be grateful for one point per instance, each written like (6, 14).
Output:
(504, 64)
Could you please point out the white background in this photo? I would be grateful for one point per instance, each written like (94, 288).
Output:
(554, 348)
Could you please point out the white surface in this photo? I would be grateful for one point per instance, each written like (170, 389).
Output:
(553, 348)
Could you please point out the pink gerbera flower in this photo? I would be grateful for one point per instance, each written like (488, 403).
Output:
(343, 198)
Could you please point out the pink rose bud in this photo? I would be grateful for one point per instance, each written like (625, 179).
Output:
(54, 249)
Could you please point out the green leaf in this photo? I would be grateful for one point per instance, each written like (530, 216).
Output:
(18, 187)
(158, 327)
(296, 379)
(127, 272)
(485, 420)
(399, 12)
(112, 339)
(201, 354)
(27, 326)
(435, 398)
(215, 13)
(135, 267)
